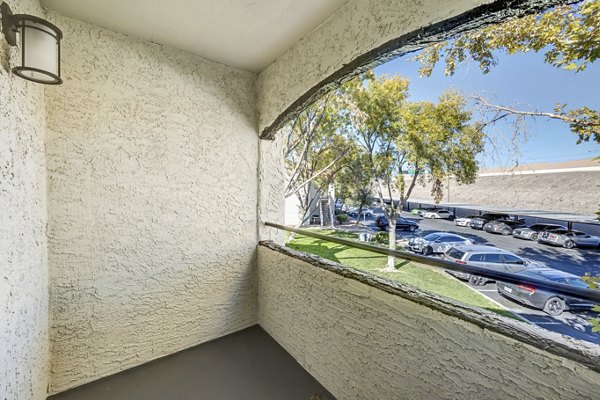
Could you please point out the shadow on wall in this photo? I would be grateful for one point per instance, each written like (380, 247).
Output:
(4, 55)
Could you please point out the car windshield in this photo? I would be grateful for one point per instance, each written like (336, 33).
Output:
(456, 254)
(431, 237)
(560, 231)
(516, 224)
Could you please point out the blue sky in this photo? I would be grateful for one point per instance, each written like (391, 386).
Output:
(521, 80)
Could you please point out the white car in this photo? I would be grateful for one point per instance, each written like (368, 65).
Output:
(364, 212)
(464, 221)
(438, 214)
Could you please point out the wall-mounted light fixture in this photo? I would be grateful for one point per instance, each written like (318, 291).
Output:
(40, 46)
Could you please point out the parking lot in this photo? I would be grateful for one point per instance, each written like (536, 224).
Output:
(577, 261)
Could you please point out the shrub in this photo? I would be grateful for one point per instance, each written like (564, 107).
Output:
(343, 217)
(594, 283)
(382, 237)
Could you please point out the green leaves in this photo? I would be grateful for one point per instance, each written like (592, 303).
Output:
(568, 35)
(441, 140)
(594, 283)
(433, 139)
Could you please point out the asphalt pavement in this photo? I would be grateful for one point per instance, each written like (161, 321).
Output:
(577, 261)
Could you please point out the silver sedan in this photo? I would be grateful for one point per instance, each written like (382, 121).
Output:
(437, 242)
(464, 221)
(569, 239)
(534, 231)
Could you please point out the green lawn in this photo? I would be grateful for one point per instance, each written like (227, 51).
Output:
(407, 272)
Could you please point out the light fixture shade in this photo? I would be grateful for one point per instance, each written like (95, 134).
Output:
(40, 50)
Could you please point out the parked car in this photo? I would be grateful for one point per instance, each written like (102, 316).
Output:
(439, 214)
(532, 232)
(437, 242)
(353, 212)
(480, 221)
(401, 223)
(486, 257)
(503, 227)
(552, 303)
(568, 239)
(421, 211)
(464, 221)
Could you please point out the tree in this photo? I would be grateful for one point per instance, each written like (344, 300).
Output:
(315, 151)
(354, 182)
(432, 140)
(569, 37)
(594, 283)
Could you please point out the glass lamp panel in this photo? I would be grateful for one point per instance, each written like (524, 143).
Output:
(40, 50)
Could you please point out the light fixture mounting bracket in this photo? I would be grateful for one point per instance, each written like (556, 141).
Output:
(9, 24)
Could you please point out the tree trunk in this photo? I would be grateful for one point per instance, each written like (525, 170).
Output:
(391, 262)
(360, 208)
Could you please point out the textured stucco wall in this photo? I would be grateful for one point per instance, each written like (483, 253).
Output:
(152, 194)
(363, 343)
(354, 29)
(23, 247)
(271, 180)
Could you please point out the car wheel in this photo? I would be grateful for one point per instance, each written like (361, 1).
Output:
(412, 228)
(505, 232)
(569, 244)
(475, 280)
(427, 251)
(534, 237)
(554, 306)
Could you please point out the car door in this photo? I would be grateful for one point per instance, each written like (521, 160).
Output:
(583, 239)
(444, 244)
(513, 263)
(493, 261)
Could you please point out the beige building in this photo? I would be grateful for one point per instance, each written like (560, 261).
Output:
(133, 199)
(572, 186)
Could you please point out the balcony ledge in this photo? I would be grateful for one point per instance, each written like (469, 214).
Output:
(576, 350)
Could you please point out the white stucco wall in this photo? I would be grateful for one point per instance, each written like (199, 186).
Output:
(272, 181)
(354, 29)
(152, 193)
(23, 247)
(363, 343)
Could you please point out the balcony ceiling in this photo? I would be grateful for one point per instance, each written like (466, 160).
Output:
(246, 34)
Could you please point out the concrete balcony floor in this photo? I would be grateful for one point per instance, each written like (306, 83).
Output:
(248, 365)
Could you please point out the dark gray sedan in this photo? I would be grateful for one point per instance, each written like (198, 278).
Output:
(552, 303)
(479, 222)
(569, 239)
(503, 227)
(532, 232)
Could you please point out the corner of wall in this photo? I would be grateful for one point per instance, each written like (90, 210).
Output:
(24, 366)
